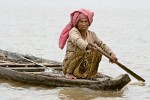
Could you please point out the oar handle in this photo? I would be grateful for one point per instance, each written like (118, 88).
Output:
(119, 64)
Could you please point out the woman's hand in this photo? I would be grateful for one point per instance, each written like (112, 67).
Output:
(113, 58)
(92, 48)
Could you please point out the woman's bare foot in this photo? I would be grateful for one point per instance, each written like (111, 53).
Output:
(99, 75)
(70, 76)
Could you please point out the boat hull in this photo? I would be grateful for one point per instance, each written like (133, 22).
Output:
(51, 79)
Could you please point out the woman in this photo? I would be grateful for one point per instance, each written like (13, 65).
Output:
(82, 60)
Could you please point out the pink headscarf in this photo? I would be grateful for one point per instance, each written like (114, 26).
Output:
(74, 19)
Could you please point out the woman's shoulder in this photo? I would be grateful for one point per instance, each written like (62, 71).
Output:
(74, 29)
(91, 32)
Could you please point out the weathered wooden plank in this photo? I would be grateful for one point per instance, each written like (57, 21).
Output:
(3, 61)
(32, 69)
(29, 65)
(35, 73)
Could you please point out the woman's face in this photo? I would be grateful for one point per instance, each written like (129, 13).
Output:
(83, 24)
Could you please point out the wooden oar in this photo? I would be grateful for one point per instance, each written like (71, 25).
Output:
(46, 68)
(120, 65)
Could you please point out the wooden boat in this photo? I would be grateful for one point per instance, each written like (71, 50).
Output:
(13, 66)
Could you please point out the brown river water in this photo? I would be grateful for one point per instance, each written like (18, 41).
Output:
(33, 27)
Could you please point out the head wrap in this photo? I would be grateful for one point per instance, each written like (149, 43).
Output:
(74, 18)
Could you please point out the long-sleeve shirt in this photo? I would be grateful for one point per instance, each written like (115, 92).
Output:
(75, 40)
